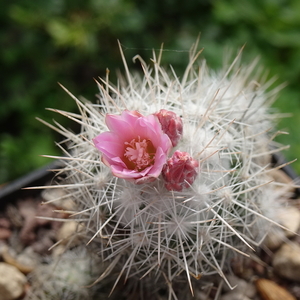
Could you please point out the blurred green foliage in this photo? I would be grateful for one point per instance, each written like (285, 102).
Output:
(72, 42)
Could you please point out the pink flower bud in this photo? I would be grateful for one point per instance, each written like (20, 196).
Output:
(180, 171)
(171, 125)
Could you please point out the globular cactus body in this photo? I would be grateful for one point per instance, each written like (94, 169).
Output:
(148, 229)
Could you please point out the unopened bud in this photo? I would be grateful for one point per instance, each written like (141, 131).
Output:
(180, 171)
(171, 125)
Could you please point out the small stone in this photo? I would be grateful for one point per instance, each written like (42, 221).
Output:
(58, 250)
(67, 230)
(242, 289)
(67, 236)
(269, 290)
(282, 177)
(12, 282)
(289, 217)
(286, 262)
(274, 239)
(58, 198)
(10, 257)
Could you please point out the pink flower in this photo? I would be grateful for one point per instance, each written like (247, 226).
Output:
(171, 125)
(135, 148)
(180, 171)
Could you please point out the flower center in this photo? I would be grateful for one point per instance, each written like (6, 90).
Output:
(139, 154)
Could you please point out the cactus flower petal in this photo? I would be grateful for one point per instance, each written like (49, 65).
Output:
(135, 148)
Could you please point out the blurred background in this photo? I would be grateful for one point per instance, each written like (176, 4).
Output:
(72, 42)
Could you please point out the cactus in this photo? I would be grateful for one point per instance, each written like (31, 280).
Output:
(64, 277)
(151, 227)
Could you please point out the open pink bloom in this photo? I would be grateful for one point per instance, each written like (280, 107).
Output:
(171, 124)
(135, 148)
(180, 171)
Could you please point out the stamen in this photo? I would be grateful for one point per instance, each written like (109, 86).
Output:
(139, 153)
